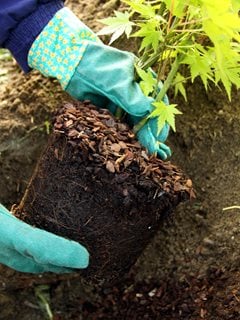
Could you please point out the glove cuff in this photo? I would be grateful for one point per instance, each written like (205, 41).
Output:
(22, 37)
(60, 46)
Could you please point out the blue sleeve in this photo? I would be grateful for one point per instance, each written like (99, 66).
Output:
(12, 12)
(20, 23)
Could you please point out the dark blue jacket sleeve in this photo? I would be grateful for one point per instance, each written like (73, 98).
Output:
(21, 21)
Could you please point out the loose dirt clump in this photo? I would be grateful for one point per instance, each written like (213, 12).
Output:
(95, 184)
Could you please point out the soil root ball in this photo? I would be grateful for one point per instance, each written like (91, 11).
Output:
(96, 185)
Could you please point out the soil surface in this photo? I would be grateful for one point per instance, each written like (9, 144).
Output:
(191, 268)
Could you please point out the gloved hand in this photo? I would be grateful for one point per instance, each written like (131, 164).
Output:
(28, 249)
(68, 50)
(148, 134)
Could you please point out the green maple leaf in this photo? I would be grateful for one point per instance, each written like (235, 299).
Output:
(200, 62)
(146, 10)
(117, 26)
(150, 34)
(164, 113)
(148, 82)
(177, 7)
(179, 85)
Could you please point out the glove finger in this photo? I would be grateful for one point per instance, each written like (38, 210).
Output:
(16, 261)
(162, 136)
(164, 151)
(161, 154)
(147, 139)
(44, 247)
(47, 248)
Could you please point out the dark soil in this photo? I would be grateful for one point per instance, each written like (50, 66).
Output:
(95, 184)
(192, 298)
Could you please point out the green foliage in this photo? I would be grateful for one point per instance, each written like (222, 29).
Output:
(202, 35)
(148, 82)
(179, 85)
(164, 113)
(47, 126)
(146, 9)
(117, 26)
(149, 34)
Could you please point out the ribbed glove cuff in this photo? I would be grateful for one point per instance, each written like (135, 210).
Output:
(22, 37)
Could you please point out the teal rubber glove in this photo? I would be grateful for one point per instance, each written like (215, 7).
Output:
(87, 69)
(28, 249)
(148, 135)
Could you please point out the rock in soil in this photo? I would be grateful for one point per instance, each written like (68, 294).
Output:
(96, 185)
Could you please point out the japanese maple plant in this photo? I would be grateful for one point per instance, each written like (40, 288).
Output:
(201, 35)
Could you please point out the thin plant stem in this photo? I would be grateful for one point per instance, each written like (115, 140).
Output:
(170, 16)
(119, 113)
(231, 208)
(40, 295)
(167, 83)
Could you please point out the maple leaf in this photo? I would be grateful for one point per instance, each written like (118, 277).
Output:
(117, 26)
(150, 34)
(148, 82)
(164, 113)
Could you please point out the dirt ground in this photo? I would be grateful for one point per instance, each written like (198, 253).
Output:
(191, 269)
